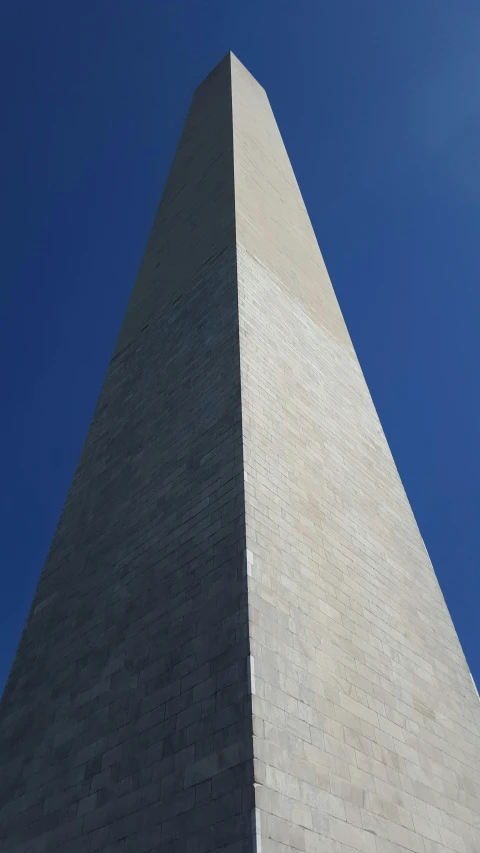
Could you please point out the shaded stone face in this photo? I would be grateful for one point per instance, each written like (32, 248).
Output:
(238, 642)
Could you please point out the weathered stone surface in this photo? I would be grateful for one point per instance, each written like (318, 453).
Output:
(365, 720)
(238, 642)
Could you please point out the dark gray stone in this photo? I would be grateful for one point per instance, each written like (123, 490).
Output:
(126, 649)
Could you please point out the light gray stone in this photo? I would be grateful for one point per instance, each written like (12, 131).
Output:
(238, 642)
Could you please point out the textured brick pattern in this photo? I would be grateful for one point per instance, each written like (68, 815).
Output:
(125, 724)
(238, 643)
(366, 723)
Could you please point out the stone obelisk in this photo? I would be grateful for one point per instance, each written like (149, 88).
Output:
(238, 643)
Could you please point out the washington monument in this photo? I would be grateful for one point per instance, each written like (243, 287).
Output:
(238, 643)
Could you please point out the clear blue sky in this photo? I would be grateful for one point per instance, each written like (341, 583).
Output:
(378, 102)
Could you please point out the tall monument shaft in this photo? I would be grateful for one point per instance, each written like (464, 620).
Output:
(238, 643)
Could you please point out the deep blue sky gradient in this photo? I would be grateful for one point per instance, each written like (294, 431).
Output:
(378, 102)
